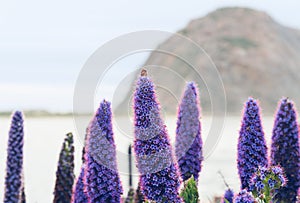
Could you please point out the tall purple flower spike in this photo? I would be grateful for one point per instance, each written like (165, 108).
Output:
(252, 149)
(65, 172)
(102, 181)
(188, 145)
(155, 161)
(79, 195)
(285, 150)
(14, 163)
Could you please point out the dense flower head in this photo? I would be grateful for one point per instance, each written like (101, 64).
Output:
(65, 172)
(252, 149)
(188, 145)
(244, 197)
(14, 163)
(79, 195)
(102, 181)
(229, 195)
(159, 172)
(266, 180)
(285, 150)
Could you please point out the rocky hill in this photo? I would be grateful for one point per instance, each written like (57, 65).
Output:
(254, 55)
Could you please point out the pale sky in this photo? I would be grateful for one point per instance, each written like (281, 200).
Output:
(44, 44)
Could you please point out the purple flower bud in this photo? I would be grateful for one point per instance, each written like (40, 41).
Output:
(155, 161)
(252, 149)
(14, 163)
(102, 181)
(229, 195)
(271, 183)
(188, 146)
(277, 170)
(244, 197)
(65, 172)
(285, 150)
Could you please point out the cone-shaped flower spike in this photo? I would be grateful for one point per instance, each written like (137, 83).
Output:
(228, 196)
(65, 172)
(285, 150)
(188, 146)
(252, 149)
(14, 163)
(156, 163)
(102, 181)
(79, 195)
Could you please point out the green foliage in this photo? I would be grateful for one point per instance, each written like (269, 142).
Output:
(130, 196)
(190, 191)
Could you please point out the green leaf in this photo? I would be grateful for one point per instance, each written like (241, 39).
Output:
(190, 191)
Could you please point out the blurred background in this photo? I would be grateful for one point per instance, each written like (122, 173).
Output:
(43, 46)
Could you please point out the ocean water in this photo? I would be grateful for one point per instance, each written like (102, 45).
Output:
(44, 137)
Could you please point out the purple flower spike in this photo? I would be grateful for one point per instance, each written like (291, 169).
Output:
(79, 195)
(188, 146)
(155, 161)
(102, 181)
(229, 195)
(285, 150)
(14, 163)
(244, 197)
(65, 172)
(252, 149)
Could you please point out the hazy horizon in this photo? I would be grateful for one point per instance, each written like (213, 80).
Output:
(44, 45)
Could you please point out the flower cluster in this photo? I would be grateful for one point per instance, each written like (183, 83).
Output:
(228, 196)
(244, 197)
(101, 179)
(155, 161)
(285, 150)
(188, 145)
(14, 163)
(266, 181)
(65, 172)
(252, 149)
